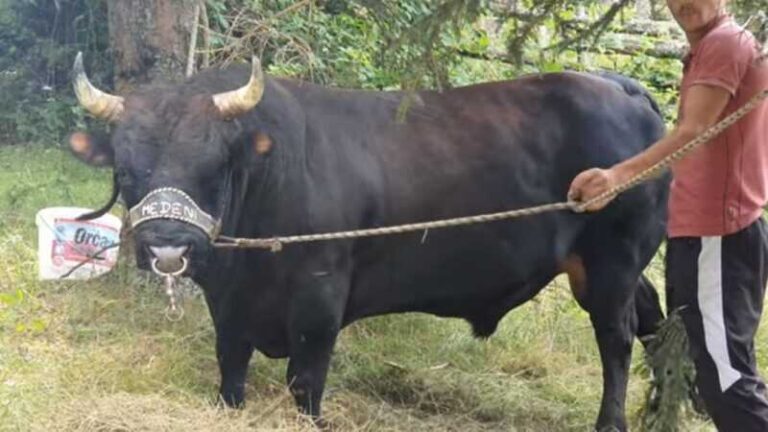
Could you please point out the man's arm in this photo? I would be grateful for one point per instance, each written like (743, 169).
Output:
(703, 106)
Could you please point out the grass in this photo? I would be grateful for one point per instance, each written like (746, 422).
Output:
(100, 356)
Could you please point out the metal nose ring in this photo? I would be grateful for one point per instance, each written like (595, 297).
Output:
(184, 265)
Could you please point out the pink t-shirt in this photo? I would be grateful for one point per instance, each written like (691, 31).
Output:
(722, 186)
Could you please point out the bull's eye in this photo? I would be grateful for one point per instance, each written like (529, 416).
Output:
(127, 183)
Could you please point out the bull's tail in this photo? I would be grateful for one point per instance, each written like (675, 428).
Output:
(632, 88)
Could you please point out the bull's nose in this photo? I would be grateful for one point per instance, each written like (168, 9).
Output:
(169, 259)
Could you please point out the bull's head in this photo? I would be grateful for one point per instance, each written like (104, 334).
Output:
(173, 152)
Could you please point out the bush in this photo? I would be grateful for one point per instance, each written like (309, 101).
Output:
(38, 41)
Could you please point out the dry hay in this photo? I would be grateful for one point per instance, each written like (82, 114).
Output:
(123, 412)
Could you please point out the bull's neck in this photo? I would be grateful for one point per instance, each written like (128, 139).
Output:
(271, 187)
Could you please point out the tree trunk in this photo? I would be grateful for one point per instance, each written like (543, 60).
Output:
(150, 43)
(149, 40)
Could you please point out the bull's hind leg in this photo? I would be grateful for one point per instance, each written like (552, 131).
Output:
(611, 281)
(649, 317)
(648, 311)
(648, 314)
(612, 321)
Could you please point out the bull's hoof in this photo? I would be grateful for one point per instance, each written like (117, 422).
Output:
(319, 423)
(322, 424)
(232, 400)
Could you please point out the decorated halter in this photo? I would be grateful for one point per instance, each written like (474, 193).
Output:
(174, 204)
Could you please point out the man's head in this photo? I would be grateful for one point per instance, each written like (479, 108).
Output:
(695, 16)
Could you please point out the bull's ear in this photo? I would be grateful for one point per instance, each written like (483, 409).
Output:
(94, 150)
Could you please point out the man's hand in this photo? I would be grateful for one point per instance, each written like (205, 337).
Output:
(591, 183)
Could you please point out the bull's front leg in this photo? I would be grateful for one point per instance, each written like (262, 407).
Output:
(233, 356)
(319, 294)
(233, 350)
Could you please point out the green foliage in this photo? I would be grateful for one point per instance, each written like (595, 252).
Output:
(392, 44)
(670, 388)
(413, 44)
(754, 12)
(38, 41)
(359, 45)
(369, 44)
(45, 120)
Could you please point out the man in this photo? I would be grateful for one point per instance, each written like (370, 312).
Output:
(717, 251)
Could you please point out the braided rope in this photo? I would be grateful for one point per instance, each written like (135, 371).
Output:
(275, 244)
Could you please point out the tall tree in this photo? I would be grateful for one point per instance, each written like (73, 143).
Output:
(149, 39)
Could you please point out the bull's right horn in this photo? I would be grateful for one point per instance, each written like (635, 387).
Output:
(101, 105)
(239, 101)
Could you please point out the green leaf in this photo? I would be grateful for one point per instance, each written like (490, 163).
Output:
(549, 67)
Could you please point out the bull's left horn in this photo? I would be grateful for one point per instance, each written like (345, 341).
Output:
(236, 102)
(100, 104)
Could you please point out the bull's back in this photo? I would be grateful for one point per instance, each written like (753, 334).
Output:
(504, 145)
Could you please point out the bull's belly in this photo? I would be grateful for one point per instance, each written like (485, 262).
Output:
(458, 273)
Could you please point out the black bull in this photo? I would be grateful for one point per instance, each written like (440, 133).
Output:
(310, 159)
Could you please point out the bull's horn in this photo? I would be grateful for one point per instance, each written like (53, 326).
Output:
(236, 102)
(100, 104)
